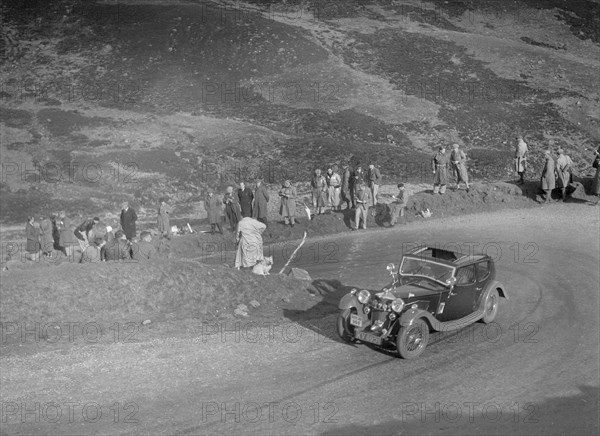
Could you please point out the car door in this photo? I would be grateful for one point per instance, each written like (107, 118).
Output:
(483, 271)
(459, 301)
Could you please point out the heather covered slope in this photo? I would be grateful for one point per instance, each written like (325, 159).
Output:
(164, 99)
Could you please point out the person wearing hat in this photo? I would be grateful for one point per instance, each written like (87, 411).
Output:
(459, 161)
(261, 198)
(439, 164)
(357, 178)
(345, 188)
(233, 212)
(521, 158)
(319, 189)
(288, 203)
(548, 179)
(363, 201)
(334, 185)
(374, 178)
(563, 171)
(399, 203)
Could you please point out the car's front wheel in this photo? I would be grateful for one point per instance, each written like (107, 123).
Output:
(490, 310)
(412, 339)
(345, 330)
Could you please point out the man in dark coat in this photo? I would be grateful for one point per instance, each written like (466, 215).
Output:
(261, 198)
(233, 211)
(245, 196)
(119, 249)
(85, 232)
(128, 219)
(439, 164)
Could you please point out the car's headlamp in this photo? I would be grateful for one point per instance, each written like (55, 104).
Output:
(363, 296)
(397, 305)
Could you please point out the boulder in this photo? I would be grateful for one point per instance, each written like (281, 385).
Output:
(300, 274)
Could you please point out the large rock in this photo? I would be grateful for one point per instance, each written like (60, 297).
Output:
(300, 274)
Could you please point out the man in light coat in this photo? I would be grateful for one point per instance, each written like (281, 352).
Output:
(362, 198)
(521, 159)
(563, 172)
(548, 178)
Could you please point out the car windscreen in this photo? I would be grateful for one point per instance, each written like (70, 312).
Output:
(414, 266)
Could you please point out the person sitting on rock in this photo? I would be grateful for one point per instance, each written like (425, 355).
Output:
(93, 252)
(119, 249)
(144, 250)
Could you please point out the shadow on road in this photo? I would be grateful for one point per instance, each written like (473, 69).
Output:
(576, 414)
(321, 318)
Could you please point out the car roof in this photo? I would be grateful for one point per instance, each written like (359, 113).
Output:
(449, 257)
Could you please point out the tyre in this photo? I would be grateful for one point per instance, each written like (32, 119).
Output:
(412, 339)
(345, 330)
(490, 309)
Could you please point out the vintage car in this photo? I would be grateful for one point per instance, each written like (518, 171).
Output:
(432, 290)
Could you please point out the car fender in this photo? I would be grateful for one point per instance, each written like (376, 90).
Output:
(349, 301)
(412, 315)
(494, 284)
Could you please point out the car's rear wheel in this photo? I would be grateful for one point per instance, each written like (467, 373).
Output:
(345, 330)
(412, 339)
(490, 309)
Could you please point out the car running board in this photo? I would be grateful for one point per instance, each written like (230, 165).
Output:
(457, 324)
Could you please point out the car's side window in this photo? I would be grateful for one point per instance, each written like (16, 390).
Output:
(483, 270)
(465, 275)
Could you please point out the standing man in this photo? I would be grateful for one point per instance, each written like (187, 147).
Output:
(164, 219)
(548, 178)
(362, 200)
(85, 232)
(374, 178)
(357, 178)
(245, 196)
(319, 188)
(128, 219)
(439, 164)
(521, 159)
(346, 198)
(563, 172)
(459, 161)
(233, 211)
(261, 198)
(399, 203)
(288, 203)
(47, 239)
(335, 188)
(212, 204)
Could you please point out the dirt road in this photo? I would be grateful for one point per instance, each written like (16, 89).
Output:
(535, 371)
